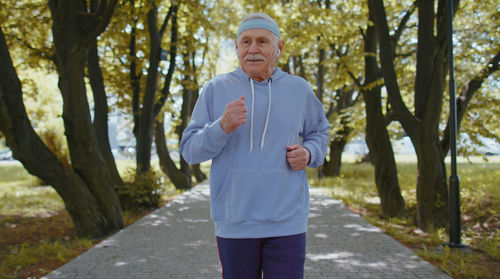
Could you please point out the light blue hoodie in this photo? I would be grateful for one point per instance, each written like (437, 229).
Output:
(254, 192)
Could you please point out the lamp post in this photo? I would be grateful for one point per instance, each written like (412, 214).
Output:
(454, 192)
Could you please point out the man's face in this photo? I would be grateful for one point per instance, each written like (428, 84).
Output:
(257, 52)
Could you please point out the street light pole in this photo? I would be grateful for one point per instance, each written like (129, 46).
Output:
(454, 192)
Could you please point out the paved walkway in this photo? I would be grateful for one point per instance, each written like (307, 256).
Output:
(177, 241)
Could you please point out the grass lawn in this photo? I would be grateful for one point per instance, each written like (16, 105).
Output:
(37, 236)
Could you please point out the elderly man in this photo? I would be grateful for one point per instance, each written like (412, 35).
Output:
(260, 127)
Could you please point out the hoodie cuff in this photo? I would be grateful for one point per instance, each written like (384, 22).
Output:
(312, 155)
(217, 132)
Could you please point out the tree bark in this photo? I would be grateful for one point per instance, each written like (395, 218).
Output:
(28, 148)
(377, 137)
(74, 30)
(101, 112)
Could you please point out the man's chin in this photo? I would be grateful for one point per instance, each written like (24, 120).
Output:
(254, 71)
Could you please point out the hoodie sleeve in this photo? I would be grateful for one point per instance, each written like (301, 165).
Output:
(315, 135)
(203, 138)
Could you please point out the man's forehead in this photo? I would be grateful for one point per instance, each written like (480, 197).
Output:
(256, 32)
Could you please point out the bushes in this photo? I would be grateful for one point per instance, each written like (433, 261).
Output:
(141, 191)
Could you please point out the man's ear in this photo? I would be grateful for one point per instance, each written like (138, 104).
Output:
(281, 44)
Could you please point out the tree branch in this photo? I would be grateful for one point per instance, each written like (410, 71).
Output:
(171, 10)
(402, 25)
(473, 85)
(102, 18)
(171, 68)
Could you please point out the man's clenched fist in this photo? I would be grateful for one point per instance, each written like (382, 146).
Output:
(234, 115)
(297, 156)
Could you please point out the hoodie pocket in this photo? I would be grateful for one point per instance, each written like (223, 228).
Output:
(261, 195)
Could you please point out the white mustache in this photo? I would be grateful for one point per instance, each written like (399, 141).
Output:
(254, 57)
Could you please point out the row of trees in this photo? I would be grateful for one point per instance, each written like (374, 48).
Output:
(387, 58)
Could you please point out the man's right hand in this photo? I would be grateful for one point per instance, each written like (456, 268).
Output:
(234, 115)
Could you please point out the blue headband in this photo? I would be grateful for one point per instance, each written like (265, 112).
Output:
(259, 23)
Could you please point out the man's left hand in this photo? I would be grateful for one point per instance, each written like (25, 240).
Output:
(297, 156)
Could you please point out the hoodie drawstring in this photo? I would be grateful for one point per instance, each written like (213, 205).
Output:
(267, 117)
(251, 117)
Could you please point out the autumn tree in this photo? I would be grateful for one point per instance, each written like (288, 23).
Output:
(141, 50)
(421, 124)
(185, 35)
(187, 72)
(87, 187)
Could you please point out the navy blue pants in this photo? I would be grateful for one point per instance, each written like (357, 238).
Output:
(273, 257)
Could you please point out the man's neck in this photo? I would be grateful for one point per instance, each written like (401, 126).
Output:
(261, 76)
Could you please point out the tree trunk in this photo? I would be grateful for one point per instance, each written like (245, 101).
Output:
(135, 80)
(432, 193)
(146, 120)
(344, 100)
(321, 73)
(101, 112)
(386, 176)
(180, 179)
(377, 137)
(71, 41)
(198, 174)
(337, 145)
(189, 96)
(432, 187)
(299, 68)
(422, 128)
(332, 166)
(29, 149)
(150, 109)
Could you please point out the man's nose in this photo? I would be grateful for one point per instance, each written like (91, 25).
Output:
(253, 47)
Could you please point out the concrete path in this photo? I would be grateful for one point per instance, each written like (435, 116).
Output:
(177, 241)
